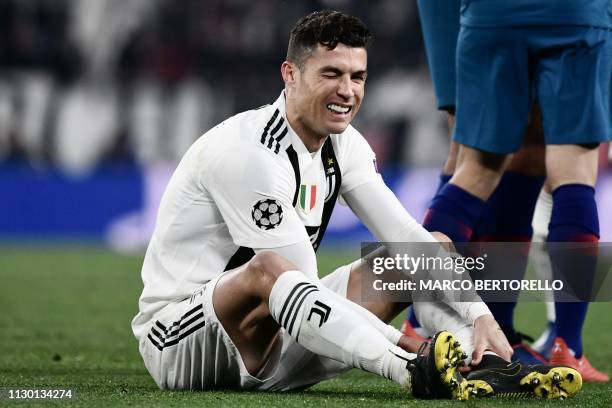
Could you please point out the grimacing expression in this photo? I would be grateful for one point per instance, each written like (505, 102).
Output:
(329, 89)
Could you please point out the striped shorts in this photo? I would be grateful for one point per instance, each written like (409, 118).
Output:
(186, 347)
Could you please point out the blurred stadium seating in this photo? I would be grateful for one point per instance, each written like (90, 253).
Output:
(100, 98)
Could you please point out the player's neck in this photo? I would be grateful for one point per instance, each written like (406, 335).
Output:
(312, 140)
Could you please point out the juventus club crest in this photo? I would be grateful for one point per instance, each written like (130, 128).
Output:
(308, 197)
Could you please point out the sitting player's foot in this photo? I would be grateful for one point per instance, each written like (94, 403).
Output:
(408, 331)
(562, 355)
(435, 372)
(496, 377)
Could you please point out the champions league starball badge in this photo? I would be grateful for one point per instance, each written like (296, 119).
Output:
(267, 214)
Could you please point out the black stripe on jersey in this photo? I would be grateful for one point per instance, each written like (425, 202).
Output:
(297, 309)
(275, 122)
(334, 181)
(273, 139)
(284, 308)
(265, 132)
(240, 257)
(279, 138)
(276, 135)
(292, 309)
(293, 159)
(280, 123)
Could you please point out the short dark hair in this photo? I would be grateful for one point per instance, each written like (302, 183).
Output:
(328, 28)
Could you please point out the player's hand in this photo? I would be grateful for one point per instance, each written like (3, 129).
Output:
(445, 241)
(409, 344)
(489, 336)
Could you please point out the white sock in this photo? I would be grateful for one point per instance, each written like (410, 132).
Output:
(329, 326)
(391, 333)
(436, 316)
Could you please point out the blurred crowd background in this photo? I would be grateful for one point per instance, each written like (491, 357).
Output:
(99, 99)
(85, 81)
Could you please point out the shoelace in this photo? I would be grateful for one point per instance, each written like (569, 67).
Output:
(422, 348)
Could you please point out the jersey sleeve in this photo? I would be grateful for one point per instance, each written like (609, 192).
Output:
(253, 190)
(358, 161)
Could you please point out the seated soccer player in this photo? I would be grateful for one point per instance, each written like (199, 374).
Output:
(232, 297)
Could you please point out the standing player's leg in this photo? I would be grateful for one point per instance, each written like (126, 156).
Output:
(572, 171)
(472, 212)
(252, 301)
(487, 129)
(507, 217)
(576, 119)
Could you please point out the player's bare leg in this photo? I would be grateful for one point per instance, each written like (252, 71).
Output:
(479, 172)
(239, 302)
(326, 324)
(571, 164)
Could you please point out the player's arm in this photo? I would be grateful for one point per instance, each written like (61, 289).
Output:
(377, 206)
(253, 190)
(380, 210)
(365, 192)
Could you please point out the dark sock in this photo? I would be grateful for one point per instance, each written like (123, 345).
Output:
(507, 217)
(454, 212)
(443, 179)
(574, 219)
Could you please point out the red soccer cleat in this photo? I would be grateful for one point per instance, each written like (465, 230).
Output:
(562, 355)
(408, 331)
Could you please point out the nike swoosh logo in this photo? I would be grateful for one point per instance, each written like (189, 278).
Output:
(510, 371)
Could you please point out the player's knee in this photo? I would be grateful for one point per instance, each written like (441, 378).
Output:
(571, 164)
(268, 265)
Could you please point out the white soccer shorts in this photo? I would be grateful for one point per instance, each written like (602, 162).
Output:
(201, 356)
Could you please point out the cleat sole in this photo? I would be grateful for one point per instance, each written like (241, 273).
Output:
(479, 389)
(448, 356)
(557, 383)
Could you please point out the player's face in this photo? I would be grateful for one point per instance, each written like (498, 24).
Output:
(327, 93)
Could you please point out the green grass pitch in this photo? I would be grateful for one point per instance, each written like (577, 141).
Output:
(65, 323)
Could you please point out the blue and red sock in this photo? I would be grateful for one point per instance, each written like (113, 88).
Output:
(507, 217)
(454, 212)
(574, 219)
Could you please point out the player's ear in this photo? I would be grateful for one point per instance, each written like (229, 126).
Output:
(289, 72)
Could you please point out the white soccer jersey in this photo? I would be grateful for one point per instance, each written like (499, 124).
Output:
(247, 183)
